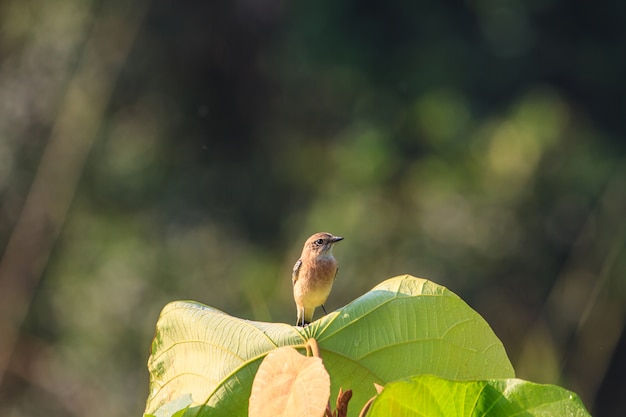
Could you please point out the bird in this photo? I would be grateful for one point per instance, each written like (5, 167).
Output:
(313, 275)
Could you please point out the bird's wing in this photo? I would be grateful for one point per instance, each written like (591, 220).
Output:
(296, 270)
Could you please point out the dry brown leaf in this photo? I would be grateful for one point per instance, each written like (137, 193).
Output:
(342, 402)
(289, 384)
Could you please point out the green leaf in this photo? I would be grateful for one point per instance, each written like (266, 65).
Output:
(174, 408)
(201, 351)
(402, 327)
(431, 396)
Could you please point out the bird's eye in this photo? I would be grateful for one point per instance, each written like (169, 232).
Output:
(319, 242)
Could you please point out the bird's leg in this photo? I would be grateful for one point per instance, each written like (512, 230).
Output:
(300, 321)
(324, 309)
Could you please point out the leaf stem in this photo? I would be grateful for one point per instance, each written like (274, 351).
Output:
(312, 348)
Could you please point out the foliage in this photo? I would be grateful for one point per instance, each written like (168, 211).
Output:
(479, 143)
(431, 396)
(289, 384)
(402, 327)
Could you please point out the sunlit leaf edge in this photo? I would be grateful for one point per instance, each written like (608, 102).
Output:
(520, 396)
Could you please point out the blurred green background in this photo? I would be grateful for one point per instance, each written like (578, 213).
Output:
(152, 151)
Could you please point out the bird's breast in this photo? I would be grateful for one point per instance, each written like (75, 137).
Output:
(324, 268)
(315, 281)
(318, 271)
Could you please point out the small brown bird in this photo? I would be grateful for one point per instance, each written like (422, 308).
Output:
(313, 275)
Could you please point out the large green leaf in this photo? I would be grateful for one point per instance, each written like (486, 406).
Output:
(402, 327)
(431, 396)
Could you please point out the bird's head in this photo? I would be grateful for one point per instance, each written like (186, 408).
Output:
(321, 243)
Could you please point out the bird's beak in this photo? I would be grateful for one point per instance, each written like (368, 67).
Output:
(335, 239)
